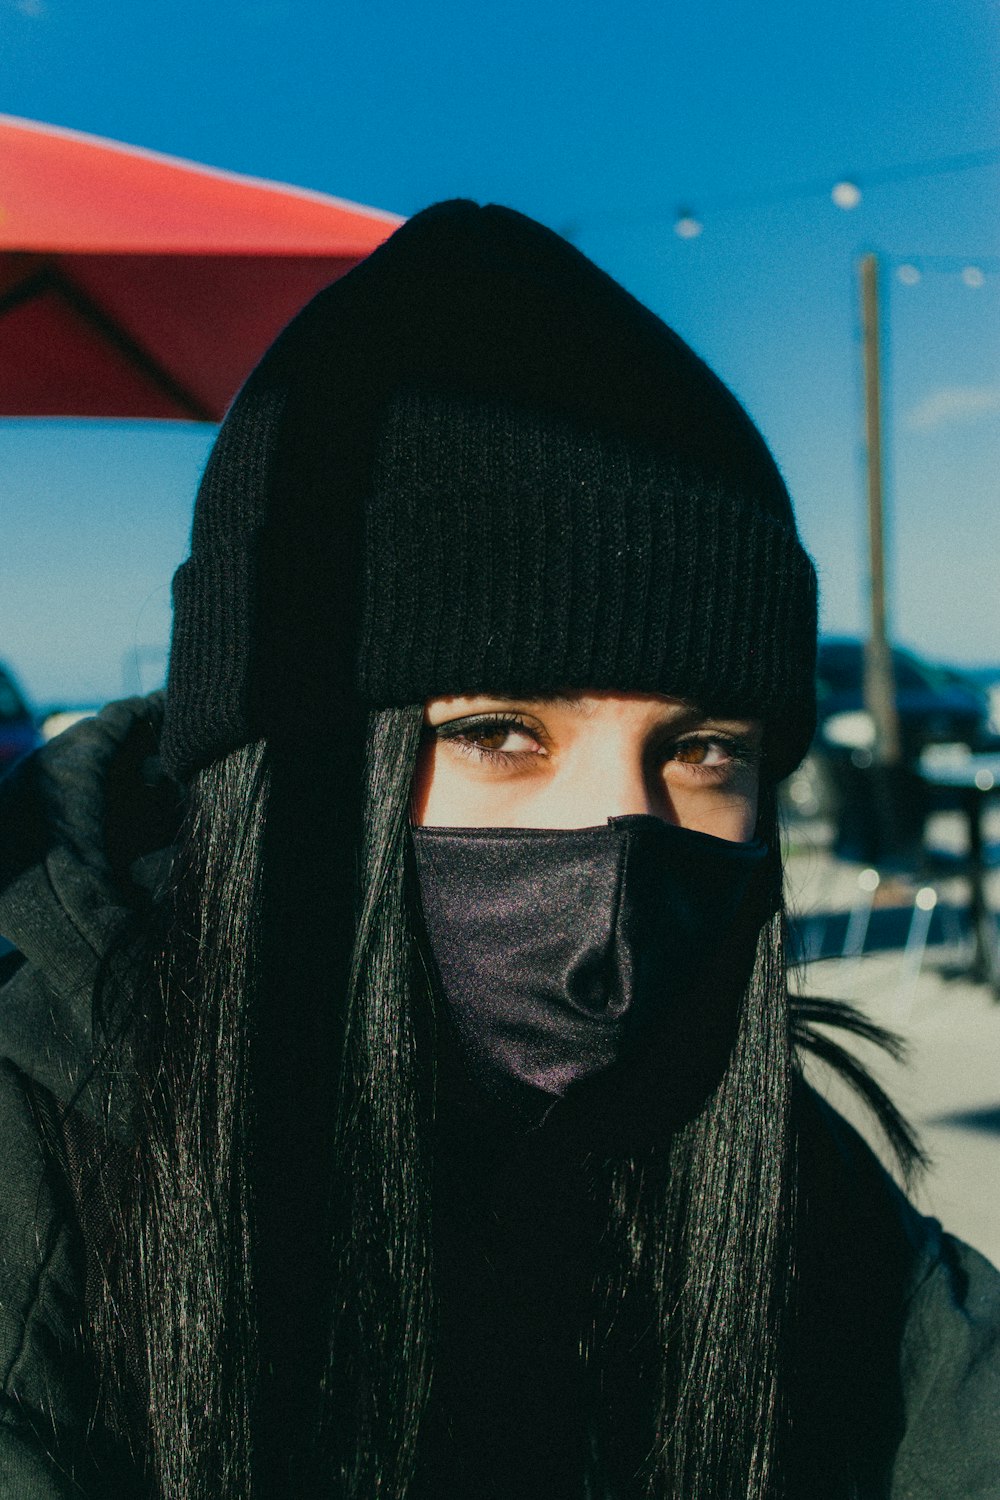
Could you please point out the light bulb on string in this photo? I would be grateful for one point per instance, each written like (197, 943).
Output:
(845, 194)
(972, 276)
(909, 274)
(686, 225)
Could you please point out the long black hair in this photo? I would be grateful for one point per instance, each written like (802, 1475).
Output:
(283, 1296)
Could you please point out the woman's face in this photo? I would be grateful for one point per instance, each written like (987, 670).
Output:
(577, 759)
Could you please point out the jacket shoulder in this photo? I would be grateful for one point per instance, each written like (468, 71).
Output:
(52, 1442)
(950, 1365)
(908, 1321)
(41, 1290)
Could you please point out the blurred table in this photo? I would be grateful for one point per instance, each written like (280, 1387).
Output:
(973, 778)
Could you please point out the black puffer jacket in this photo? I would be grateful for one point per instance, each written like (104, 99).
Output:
(80, 826)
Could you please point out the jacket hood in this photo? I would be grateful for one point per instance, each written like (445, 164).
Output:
(86, 825)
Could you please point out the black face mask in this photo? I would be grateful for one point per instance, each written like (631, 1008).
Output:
(586, 969)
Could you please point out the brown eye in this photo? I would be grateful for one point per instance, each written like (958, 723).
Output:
(709, 753)
(494, 739)
(692, 753)
(500, 739)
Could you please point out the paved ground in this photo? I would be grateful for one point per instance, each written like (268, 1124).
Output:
(950, 1086)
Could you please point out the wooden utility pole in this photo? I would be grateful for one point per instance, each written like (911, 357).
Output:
(879, 686)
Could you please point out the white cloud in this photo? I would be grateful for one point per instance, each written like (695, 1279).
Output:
(953, 404)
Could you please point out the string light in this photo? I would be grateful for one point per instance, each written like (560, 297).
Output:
(846, 195)
(911, 272)
(846, 192)
(686, 226)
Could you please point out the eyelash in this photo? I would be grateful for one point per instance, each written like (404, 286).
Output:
(462, 734)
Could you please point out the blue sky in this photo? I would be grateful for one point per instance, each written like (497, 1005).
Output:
(600, 120)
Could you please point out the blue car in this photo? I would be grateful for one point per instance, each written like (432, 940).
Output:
(18, 731)
(936, 706)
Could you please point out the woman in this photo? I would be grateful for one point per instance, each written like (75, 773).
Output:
(401, 1095)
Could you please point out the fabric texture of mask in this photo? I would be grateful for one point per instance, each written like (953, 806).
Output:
(570, 955)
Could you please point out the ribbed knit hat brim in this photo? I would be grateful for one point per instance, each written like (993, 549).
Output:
(512, 553)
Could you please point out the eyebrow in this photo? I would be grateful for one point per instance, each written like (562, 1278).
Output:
(564, 700)
(677, 710)
(678, 716)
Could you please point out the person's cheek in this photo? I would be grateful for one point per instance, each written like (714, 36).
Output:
(423, 780)
(726, 813)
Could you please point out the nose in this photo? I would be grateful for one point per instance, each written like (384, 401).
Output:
(615, 780)
(632, 796)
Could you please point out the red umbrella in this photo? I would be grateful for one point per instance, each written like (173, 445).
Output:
(138, 285)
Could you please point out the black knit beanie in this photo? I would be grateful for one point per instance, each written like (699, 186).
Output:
(476, 464)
